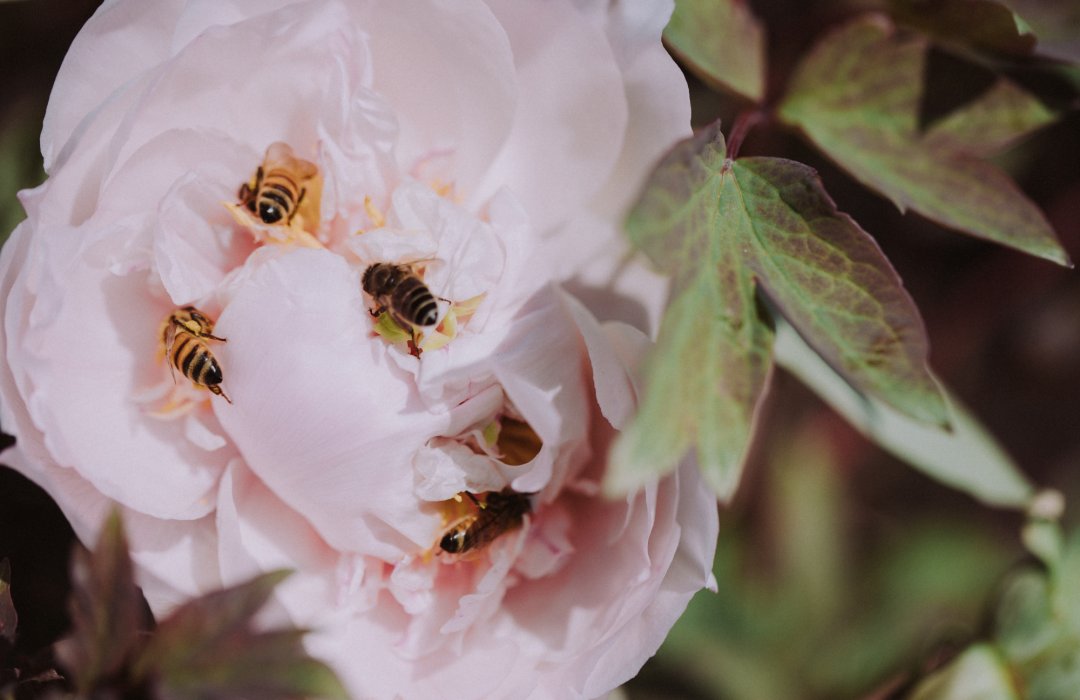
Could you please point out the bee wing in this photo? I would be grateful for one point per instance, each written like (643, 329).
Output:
(425, 267)
(280, 155)
(170, 337)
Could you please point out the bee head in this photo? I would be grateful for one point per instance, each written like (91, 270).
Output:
(379, 279)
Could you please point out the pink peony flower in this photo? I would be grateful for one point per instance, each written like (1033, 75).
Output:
(490, 149)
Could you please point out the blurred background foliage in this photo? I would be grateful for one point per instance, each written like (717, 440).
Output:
(842, 573)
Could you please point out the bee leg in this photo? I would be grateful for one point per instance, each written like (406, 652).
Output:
(472, 498)
(215, 389)
(214, 337)
(253, 190)
(414, 349)
(296, 207)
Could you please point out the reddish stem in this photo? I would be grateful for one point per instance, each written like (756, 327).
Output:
(743, 124)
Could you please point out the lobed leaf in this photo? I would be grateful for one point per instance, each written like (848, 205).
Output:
(725, 230)
(832, 283)
(209, 648)
(964, 456)
(856, 96)
(722, 43)
(1001, 116)
(985, 26)
(705, 382)
(106, 608)
(1056, 23)
(264, 666)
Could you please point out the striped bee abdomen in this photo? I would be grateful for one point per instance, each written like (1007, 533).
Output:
(275, 193)
(195, 361)
(399, 290)
(501, 512)
(277, 198)
(184, 336)
(414, 303)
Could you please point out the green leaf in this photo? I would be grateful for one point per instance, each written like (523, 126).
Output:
(1065, 579)
(1056, 23)
(832, 283)
(20, 165)
(1038, 624)
(983, 25)
(856, 96)
(978, 674)
(209, 648)
(724, 229)
(1058, 676)
(1024, 620)
(1044, 539)
(1002, 115)
(722, 43)
(705, 381)
(965, 457)
(106, 608)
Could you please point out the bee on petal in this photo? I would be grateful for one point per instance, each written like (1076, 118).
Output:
(183, 335)
(499, 513)
(399, 291)
(275, 192)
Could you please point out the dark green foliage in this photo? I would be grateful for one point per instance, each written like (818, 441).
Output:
(208, 648)
(722, 43)
(726, 230)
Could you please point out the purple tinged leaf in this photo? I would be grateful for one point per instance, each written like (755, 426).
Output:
(1001, 116)
(985, 26)
(106, 608)
(833, 284)
(856, 97)
(965, 457)
(724, 229)
(210, 648)
(722, 43)
(8, 617)
(705, 381)
(1056, 23)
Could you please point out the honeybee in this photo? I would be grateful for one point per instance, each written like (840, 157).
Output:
(276, 190)
(184, 334)
(501, 512)
(398, 290)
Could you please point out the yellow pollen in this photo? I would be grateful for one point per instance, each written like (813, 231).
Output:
(378, 220)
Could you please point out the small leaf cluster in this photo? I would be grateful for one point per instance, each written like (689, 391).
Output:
(766, 270)
(1034, 651)
(816, 603)
(210, 647)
